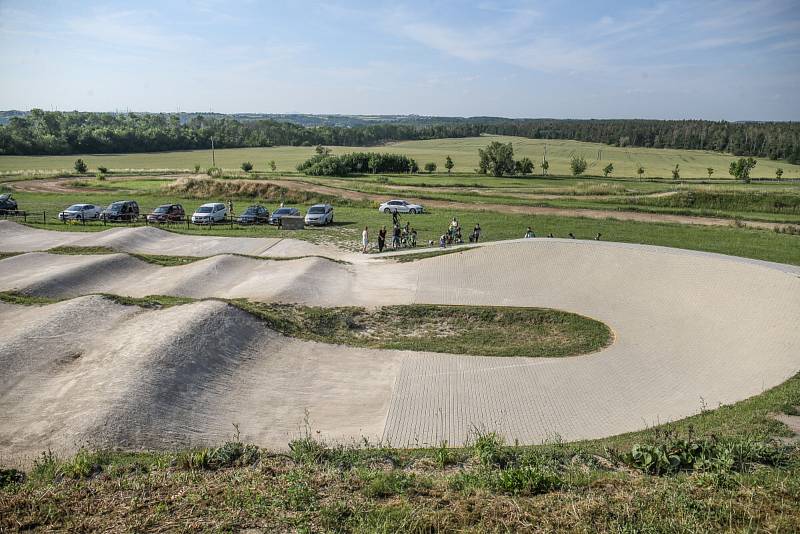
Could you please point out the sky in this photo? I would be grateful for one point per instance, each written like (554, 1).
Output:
(706, 59)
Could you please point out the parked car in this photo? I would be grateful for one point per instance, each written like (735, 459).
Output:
(80, 212)
(122, 210)
(7, 203)
(167, 213)
(254, 215)
(320, 214)
(282, 212)
(400, 206)
(210, 213)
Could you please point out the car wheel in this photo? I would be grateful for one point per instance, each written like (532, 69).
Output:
(412, 211)
(386, 210)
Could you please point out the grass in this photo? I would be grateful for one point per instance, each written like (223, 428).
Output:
(744, 242)
(475, 330)
(716, 484)
(405, 258)
(464, 151)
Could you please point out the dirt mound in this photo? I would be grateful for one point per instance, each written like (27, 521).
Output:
(175, 377)
(208, 188)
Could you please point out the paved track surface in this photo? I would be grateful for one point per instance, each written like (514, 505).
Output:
(692, 330)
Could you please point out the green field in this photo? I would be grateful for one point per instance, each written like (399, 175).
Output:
(464, 151)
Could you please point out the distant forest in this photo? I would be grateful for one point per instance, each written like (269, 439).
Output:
(53, 132)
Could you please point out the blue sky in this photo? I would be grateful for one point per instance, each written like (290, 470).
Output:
(733, 60)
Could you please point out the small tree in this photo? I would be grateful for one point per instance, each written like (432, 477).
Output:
(676, 172)
(545, 166)
(523, 166)
(741, 168)
(448, 164)
(430, 167)
(577, 164)
(608, 169)
(413, 168)
(102, 169)
(322, 150)
(272, 165)
(710, 171)
(778, 173)
(80, 166)
(247, 166)
(497, 159)
(640, 172)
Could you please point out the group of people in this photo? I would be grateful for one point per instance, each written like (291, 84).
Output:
(453, 235)
(529, 234)
(402, 236)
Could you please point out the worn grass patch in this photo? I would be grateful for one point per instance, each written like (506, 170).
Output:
(4, 255)
(475, 330)
(24, 300)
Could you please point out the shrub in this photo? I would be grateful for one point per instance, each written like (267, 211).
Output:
(523, 166)
(430, 167)
(80, 166)
(247, 166)
(196, 169)
(577, 165)
(100, 176)
(356, 162)
(214, 172)
(102, 169)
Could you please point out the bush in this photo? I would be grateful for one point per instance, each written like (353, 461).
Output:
(214, 172)
(100, 176)
(102, 169)
(196, 169)
(247, 166)
(430, 167)
(80, 166)
(578, 165)
(356, 162)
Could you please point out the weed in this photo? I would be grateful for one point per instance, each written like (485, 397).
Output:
(489, 449)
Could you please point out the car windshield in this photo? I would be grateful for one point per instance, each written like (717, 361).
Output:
(317, 209)
(283, 211)
(204, 209)
(161, 209)
(116, 206)
(5, 197)
(75, 207)
(252, 210)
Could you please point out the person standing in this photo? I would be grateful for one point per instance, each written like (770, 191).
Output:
(476, 232)
(396, 236)
(381, 239)
(529, 233)
(365, 239)
(230, 208)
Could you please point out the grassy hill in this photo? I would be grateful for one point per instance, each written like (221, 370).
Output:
(464, 151)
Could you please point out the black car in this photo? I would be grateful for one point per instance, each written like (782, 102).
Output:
(123, 210)
(167, 213)
(7, 203)
(280, 212)
(254, 215)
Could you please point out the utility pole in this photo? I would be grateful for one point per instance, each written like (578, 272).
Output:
(213, 160)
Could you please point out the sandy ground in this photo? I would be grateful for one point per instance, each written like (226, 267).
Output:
(693, 330)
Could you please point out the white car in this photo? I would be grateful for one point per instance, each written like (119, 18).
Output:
(320, 214)
(400, 206)
(80, 212)
(210, 213)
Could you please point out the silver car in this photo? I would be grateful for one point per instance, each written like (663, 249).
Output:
(80, 212)
(319, 214)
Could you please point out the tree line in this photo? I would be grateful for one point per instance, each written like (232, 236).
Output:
(54, 132)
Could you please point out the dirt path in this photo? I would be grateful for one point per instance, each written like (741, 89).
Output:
(61, 185)
(529, 210)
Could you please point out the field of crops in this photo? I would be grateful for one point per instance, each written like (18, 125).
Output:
(657, 162)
